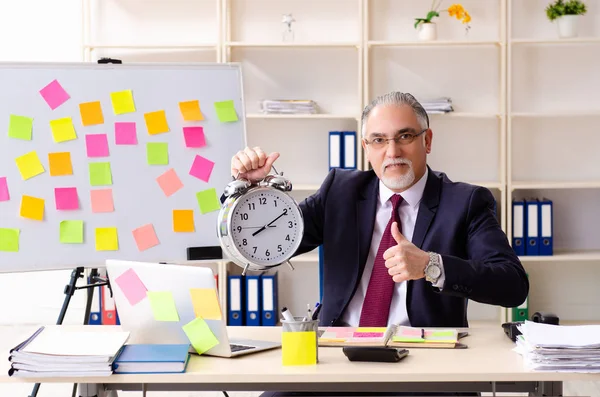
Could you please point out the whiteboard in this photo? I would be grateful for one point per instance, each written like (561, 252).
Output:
(138, 198)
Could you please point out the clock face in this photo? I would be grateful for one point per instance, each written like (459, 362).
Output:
(266, 226)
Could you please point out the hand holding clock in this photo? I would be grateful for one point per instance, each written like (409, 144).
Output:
(252, 164)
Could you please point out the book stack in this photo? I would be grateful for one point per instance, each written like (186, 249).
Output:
(438, 105)
(152, 359)
(559, 348)
(68, 351)
(288, 106)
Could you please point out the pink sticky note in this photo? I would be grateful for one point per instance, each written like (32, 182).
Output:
(66, 198)
(368, 335)
(54, 94)
(97, 145)
(202, 168)
(102, 200)
(145, 237)
(194, 136)
(133, 288)
(169, 182)
(4, 196)
(125, 133)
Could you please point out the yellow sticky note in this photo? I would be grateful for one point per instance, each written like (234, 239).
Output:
(32, 208)
(163, 305)
(370, 330)
(299, 348)
(63, 130)
(183, 220)
(60, 163)
(29, 165)
(190, 110)
(206, 304)
(200, 335)
(122, 102)
(156, 122)
(91, 113)
(107, 239)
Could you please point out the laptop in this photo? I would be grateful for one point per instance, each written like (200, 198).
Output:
(139, 320)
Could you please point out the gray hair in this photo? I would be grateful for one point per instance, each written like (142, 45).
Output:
(396, 98)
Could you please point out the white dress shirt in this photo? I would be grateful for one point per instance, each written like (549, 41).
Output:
(409, 209)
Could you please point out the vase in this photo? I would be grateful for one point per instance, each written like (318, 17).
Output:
(428, 31)
(568, 26)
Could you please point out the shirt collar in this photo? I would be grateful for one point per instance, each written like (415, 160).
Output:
(412, 196)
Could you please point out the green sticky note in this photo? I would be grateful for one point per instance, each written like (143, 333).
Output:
(71, 232)
(208, 200)
(442, 333)
(100, 174)
(200, 335)
(163, 305)
(9, 240)
(407, 339)
(157, 153)
(20, 127)
(225, 111)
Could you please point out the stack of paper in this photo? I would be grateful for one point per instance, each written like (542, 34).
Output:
(59, 351)
(285, 106)
(559, 348)
(438, 105)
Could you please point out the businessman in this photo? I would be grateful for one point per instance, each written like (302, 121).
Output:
(402, 244)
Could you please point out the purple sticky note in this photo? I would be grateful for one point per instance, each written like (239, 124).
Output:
(54, 94)
(4, 196)
(125, 133)
(66, 198)
(133, 288)
(194, 136)
(97, 145)
(202, 168)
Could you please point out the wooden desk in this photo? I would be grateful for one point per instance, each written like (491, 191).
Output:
(488, 364)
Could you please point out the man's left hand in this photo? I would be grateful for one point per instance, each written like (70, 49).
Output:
(405, 261)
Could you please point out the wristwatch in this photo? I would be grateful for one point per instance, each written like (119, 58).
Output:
(433, 270)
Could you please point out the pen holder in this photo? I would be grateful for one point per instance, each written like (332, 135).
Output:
(299, 342)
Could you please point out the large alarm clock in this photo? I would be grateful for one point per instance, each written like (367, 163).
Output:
(260, 226)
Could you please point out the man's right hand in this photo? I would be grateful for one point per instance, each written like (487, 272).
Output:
(252, 164)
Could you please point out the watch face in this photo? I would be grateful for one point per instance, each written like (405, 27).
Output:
(434, 271)
(266, 226)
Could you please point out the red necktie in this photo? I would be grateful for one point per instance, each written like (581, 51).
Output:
(376, 307)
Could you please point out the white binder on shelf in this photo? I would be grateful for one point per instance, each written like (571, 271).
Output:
(335, 150)
(349, 147)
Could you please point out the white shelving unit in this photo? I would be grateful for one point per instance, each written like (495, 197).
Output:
(509, 114)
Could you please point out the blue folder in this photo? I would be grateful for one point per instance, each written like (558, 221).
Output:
(152, 358)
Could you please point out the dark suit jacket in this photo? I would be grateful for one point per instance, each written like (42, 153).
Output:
(456, 220)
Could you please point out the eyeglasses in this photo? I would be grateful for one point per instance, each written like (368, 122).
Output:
(402, 139)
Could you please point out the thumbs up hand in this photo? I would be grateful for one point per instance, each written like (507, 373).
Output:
(405, 261)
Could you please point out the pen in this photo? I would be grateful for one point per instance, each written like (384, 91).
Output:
(287, 315)
(308, 313)
(316, 311)
(422, 333)
(389, 332)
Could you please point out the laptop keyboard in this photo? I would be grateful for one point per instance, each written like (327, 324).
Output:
(237, 348)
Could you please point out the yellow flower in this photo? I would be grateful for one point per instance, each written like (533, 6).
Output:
(456, 10)
(467, 18)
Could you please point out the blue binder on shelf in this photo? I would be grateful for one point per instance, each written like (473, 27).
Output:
(546, 229)
(253, 300)
(270, 305)
(336, 148)
(349, 149)
(321, 271)
(235, 300)
(518, 227)
(532, 234)
(96, 309)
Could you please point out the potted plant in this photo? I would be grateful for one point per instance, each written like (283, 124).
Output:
(426, 27)
(566, 13)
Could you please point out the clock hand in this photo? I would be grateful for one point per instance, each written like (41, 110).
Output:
(268, 224)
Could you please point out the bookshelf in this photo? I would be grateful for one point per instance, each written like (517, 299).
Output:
(509, 104)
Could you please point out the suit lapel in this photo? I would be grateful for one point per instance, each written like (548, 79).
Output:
(365, 209)
(427, 208)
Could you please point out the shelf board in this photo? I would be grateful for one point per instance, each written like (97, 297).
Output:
(556, 185)
(575, 256)
(489, 185)
(468, 115)
(591, 113)
(576, 40)
(326, 116)
(242, 44)
(305, 188)
(433, 43)
(153, 46)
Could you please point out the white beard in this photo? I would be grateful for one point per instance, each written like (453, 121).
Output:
(398, 182)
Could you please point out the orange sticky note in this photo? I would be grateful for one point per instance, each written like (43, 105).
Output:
(190, 110)
(29, 165)
(169, 182)
(156, 122)
(145, 237)
(183, 220)
(91, 113)
(60, 163)
(32, 208)
(102, 200)
(206, 303)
